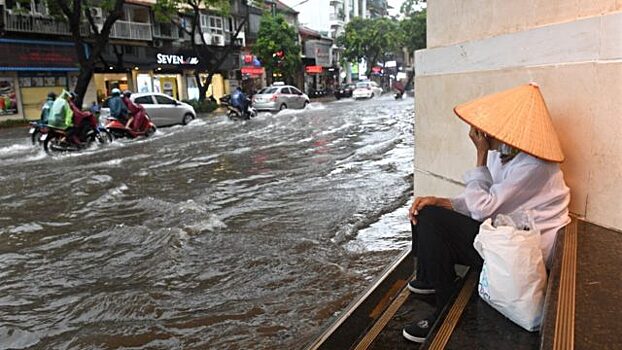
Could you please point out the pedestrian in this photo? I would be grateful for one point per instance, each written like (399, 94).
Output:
(95, 108)
(517, 169)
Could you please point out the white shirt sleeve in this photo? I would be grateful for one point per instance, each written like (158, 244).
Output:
(483, 198)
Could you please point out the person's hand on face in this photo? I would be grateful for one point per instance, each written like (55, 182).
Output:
(480, 140)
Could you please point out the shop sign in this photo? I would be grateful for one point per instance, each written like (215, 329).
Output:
(313, 69)
(176, 59)
(37, 54)
(252, 70)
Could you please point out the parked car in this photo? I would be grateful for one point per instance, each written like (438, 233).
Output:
(366, 89)
(162, 109)
(279, 97)
(344, 91)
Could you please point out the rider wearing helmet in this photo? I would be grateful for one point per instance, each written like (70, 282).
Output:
(47, 107)
(61, 116)
(118, 109)
(239, 100)
(80, 118)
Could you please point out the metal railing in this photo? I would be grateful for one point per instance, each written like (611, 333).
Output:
(165, 31)
(336, 17)
(29, 23)
(131, 31)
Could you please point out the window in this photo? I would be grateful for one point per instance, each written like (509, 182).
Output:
(144, 100)
(163, 100)
(270, 91)
(295, 91)
(362, 85)
(215, 25)
(286, 91)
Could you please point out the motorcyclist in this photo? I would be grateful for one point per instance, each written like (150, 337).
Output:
(118, 109)
(80, 117)
(134, 111)
(47, 107)
(398, 87)
(239, 100)
(61, 116)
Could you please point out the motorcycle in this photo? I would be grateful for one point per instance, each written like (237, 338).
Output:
(57, 140)
(35, 132)
(141, 126)
(234, 113)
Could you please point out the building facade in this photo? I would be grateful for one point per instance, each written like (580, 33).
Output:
(572, 50)
(142, 55)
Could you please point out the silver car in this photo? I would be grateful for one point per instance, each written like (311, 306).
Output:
(279, 97)
(162, 109)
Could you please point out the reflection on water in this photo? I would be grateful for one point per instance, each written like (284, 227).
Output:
(217, 235)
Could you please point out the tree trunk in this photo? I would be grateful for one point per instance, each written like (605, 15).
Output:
(84, 77)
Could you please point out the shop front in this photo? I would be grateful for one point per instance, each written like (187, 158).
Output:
(29, 70)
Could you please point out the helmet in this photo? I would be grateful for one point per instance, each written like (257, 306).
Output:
(115, 92)
(52, 95)
(127, 93)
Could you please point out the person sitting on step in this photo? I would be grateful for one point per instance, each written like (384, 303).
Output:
(517, 168)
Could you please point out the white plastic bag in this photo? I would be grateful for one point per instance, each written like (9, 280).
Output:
(513, 278)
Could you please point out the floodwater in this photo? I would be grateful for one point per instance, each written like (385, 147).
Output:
(217, 235)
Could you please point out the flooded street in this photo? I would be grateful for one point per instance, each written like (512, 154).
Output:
(217, 235)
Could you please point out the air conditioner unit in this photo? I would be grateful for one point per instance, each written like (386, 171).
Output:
(218, 40)
(96, 12)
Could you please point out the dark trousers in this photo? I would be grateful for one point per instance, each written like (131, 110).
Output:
(441, 239)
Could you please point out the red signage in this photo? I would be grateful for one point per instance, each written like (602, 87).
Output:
(14, 53)
(313, 69)
(248, 59)
(376, 69)
(252, 70)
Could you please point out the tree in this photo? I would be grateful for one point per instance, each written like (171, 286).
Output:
(277, 47)
(211, 58)
(413, 28)
(369, 39)
(89, 41)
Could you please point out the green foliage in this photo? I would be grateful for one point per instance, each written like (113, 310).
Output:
(370, 39)
(205, 106)
(413, 28)
(275, 34)
(165, 10)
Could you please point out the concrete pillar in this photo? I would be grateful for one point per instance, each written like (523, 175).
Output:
(364, 8)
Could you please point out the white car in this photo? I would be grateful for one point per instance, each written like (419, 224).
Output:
(278, 97)
(161, 108)
(366, 89)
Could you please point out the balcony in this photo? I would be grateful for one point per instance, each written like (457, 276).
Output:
(165, 31)
(131, 31)
(336, 20)
(29, 23)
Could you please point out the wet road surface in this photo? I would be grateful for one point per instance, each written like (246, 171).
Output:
(219, 235)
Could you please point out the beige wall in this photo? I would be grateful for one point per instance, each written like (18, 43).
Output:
(578, 64)
(456, 21)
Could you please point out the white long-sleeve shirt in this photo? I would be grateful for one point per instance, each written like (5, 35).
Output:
(524, 183)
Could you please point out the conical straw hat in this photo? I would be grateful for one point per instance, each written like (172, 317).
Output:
(517, 117)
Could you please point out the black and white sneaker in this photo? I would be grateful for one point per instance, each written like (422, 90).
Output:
(417, 332)
(420, 287)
